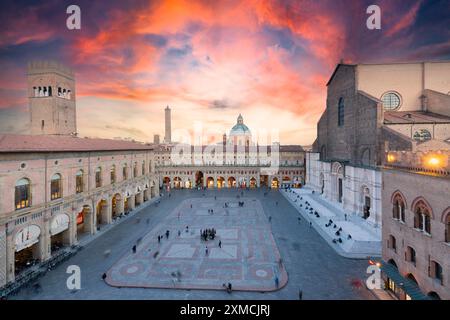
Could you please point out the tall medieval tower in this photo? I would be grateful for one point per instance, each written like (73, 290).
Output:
(168, 126)
(51, 92)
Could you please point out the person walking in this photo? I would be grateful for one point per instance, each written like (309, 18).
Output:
(134, 249)
(206, 251)
(300, 295)
(277, 282)
(270, 219)
(220, 244)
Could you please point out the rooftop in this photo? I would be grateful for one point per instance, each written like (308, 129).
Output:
(10, 143)
(410, 117)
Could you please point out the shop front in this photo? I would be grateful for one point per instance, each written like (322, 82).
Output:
(59, 232)
(27, 248)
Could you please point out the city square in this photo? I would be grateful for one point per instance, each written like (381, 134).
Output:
(225, 150)
(311, 265)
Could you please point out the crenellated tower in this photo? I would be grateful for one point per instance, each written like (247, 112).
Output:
(51, 92)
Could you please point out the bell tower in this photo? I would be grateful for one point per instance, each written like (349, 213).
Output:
(51, 94)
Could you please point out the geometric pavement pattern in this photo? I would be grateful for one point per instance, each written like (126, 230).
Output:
(248, 257)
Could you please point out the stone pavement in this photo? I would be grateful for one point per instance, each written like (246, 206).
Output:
(311, 264)
(358, 239)
(247, 258)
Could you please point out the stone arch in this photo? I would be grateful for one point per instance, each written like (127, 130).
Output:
(210, 182)
(444, 215)
(393, 263)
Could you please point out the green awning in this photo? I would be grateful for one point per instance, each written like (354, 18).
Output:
(410, 287)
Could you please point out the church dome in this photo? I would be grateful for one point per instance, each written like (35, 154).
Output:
(240, 128)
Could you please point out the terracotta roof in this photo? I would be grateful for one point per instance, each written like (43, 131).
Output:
(406, 117)
(282, 148)
(48, 143)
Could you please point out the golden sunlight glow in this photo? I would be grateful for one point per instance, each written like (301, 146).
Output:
(434, 161)
(391, 158)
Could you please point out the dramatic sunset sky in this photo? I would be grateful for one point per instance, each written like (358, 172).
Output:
(208, 60)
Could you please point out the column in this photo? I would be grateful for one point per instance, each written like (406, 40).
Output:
(132, 202)
(10, 254)
(3, 251)
(45, 243)
(73, 228)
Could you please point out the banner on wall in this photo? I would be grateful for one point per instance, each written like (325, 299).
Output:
(27, 237)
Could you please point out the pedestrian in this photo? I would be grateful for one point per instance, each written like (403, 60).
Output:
(310, 224)
(159, 239)
(134, 249)
(277, 282)
(229, 287)
(220, 244)
(167, 234)
(345, 215)
(179, 233)
(300, 295)
(206, 251)
(104, 276)
(270, 218)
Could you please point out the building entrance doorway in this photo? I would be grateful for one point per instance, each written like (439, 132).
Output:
(199, 179)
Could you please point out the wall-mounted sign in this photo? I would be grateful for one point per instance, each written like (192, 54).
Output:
(59, 223)
(27, 237)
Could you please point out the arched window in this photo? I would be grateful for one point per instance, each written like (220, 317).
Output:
(98, 177)
(55, 187)
(392, 243)
(398, 208)
(113, 174)
(79, 181)
(422, 217)
(135, 170)
(436, 271)
(143, 167)
(411, 255)
(22, 194)
(447, 228)
(125, 171)
(341, 112)
(391, 101)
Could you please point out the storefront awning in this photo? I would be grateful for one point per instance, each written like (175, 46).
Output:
(407, 285)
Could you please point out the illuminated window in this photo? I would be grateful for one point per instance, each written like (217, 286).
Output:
(22, 194)
(55, 187)
(391, 101)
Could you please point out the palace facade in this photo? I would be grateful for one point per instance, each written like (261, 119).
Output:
(56, 190)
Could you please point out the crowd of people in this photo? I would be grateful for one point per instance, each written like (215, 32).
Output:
(208, 234)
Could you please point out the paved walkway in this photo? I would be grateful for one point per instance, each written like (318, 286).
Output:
(312, 266)
(243, 252)
(350, 236)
